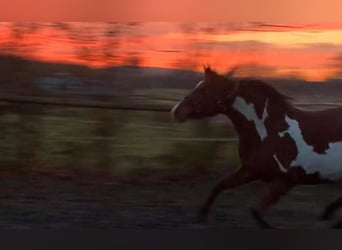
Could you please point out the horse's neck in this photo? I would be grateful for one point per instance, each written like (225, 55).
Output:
(250, 126)
(246, 130)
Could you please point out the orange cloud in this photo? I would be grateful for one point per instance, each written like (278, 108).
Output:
(286, 48)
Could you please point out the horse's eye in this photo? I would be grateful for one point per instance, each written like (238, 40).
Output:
(201, 93)
(188, 100)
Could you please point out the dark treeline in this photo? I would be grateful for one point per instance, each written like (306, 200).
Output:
(25, 76)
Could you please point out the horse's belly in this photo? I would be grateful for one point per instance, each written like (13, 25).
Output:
(328, 164)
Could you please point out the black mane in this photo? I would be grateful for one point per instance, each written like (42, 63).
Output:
(253, 85)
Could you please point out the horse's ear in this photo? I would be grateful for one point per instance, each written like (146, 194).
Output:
(208, 73)
(206, 69)
(231, 72)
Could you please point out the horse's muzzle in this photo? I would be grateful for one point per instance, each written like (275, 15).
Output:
(180, 112)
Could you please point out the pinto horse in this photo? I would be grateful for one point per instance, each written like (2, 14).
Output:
(279, 143)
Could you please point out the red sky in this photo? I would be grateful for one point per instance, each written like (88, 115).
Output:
(301, 48)
(172, 10)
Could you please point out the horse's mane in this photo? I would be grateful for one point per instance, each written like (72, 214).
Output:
(250, 82)
(274, 95)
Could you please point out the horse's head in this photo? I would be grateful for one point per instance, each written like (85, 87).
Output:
(210, 97)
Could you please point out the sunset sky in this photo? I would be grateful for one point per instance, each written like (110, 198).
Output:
(317, 11)
(303, 49)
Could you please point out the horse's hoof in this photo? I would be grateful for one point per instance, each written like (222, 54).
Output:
(261, 222)
(325, 216)
(202, 217)
(327, 213)
(337, 225)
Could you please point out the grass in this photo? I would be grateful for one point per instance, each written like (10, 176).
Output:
(120, 141)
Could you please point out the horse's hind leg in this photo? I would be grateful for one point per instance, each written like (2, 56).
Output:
(238, 178)
(331, 208)
(275, 190)
(337, 225)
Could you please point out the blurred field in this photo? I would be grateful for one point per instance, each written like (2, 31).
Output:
(83, 167)
(56, 137)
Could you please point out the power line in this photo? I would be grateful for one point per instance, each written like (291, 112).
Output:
(81, 104)
(53, 101)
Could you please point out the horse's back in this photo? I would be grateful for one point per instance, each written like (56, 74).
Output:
(318, 137)
(322, 125)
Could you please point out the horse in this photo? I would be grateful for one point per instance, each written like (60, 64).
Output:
(279, 143)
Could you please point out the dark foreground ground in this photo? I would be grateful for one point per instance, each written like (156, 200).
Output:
(89, 199)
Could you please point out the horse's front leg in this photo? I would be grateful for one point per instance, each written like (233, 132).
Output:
(238, 178)
(331, 208)
(274, 191)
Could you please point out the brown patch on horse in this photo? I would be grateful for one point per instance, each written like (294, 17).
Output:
(286, 150)
(319, 128)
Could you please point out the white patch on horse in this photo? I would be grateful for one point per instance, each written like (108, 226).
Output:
(173, 110)
(248, 111)
(328, 165)
(282, 168)
(199, 84)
